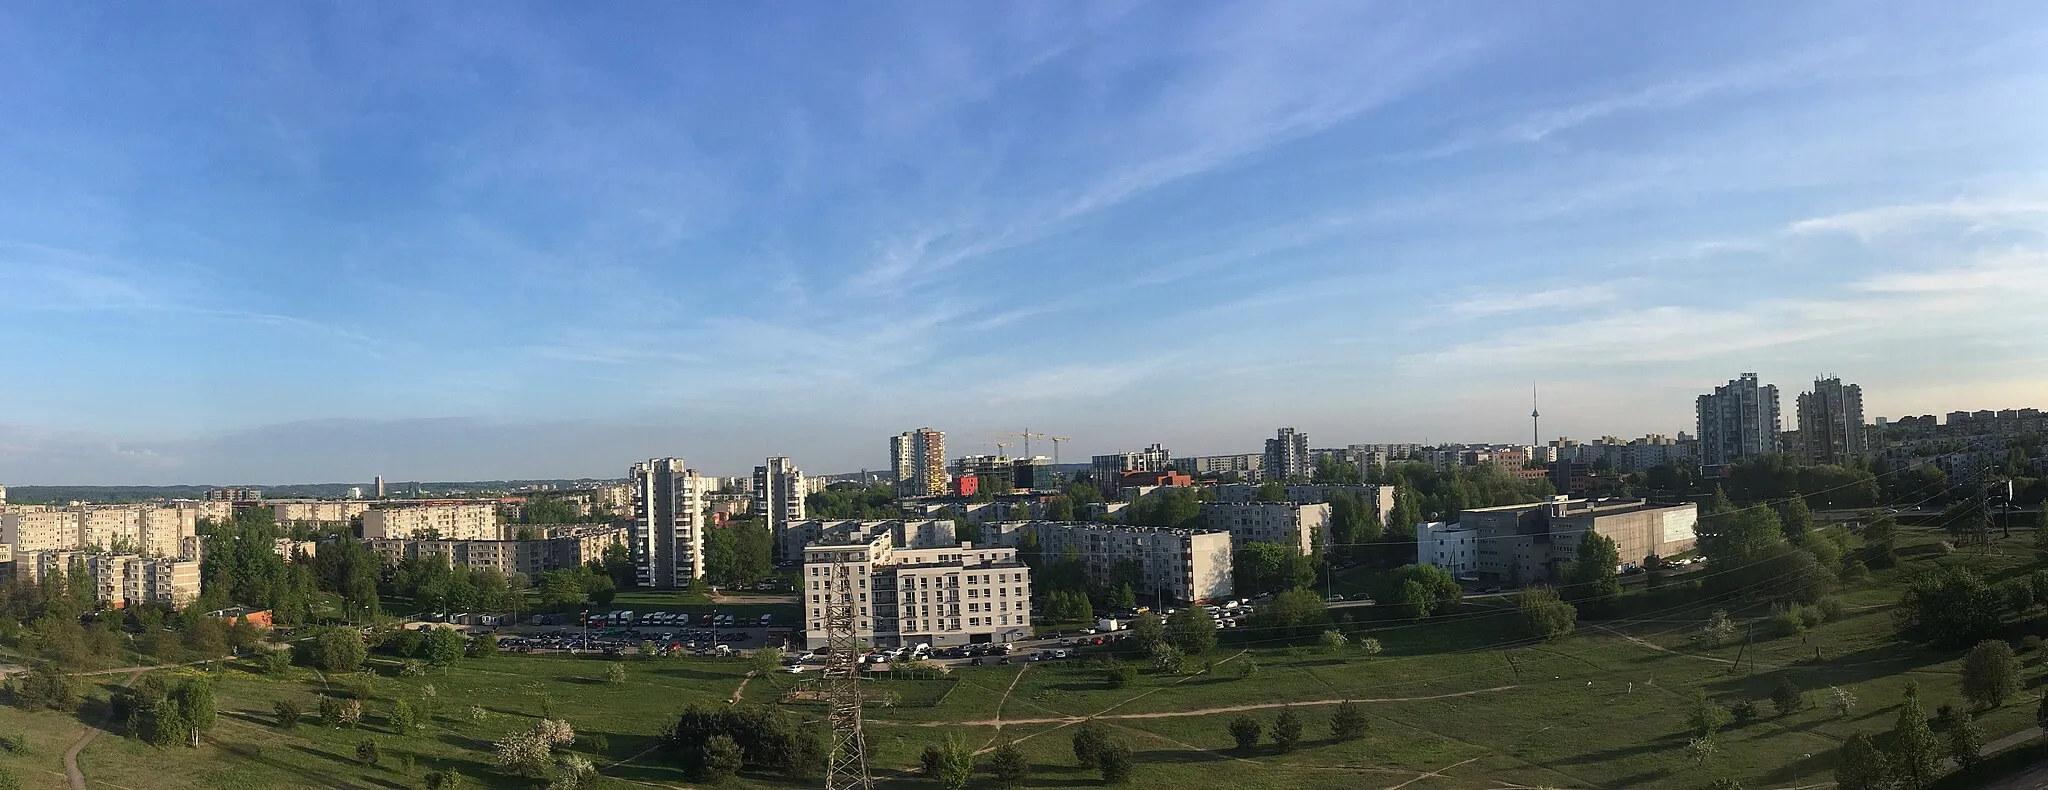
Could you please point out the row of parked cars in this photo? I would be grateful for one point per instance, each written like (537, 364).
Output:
(676, 619)
(612, 645)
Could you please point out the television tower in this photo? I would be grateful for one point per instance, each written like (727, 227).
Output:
(1535, 427)
(846, 767)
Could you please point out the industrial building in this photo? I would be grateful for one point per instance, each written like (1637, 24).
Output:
(1531, 542)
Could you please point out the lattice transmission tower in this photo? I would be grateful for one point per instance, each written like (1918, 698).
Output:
(847, 767)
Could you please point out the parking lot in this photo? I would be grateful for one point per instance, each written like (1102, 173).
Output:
(672, 634)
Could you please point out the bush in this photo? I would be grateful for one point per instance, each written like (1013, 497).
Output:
(2030, 643)
(287, 713)
(1009, 766)
(1787, 697)
(1855, 571)
(1831, 609)
(1991, 673)
(45, 687)
(1348, 722)
(1089, 741)
(1120, 676)
(1246, 731)
(1116, 763)
(1809, 616)
(1287, 730)
(1744, 711)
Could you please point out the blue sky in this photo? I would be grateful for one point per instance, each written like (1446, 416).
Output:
(252, 243)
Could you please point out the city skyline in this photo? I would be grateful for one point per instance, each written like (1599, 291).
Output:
(305, 245)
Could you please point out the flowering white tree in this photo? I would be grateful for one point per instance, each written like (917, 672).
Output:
(1844, 702)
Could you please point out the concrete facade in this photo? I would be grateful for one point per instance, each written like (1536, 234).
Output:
(446, 521)
(911, 585)
(667, 537)
(1304, 527)
(779, 497)
(1529, 543)
(1180, 565)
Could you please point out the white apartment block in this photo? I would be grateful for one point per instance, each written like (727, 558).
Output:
(668, 507)
(1305, 527)
(39, 530)
(145, 529)
(1448, 546)
(909, 585)
(122, 579)
(448, 521)
(916, 531)
(567, 546)
(779, 497)
(317, 511)
(1179, 565)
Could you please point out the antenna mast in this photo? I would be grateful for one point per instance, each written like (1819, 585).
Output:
(1535, 427)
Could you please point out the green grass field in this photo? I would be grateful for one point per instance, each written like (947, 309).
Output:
(1448, 709)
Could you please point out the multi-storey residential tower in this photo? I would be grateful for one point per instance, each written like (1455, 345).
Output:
(1737, 421)
(668, 505)
(1831, 422)
(1287, 457)
(779, 497)
(1109, 469)
(917, 460)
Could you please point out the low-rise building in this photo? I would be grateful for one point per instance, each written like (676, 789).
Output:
(1531, 542)
(1188, 566)
(1304, 527)
(444, 520)
(1452, 547)
(916, 586)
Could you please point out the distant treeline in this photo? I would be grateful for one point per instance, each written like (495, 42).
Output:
(48, 495)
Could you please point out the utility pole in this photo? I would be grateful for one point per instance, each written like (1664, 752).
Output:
(846, 768)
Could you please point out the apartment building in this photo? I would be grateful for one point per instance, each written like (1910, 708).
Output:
(1738, 420)
(1378, 497)
(317, 511)
(1187, 566)
(1531, 542)
(1109, 469)
(917, 462)
(1831, 429)
(668, 508)
(910, 585)
(120, 579)
(918, 531)
(39, 530)
(1287, 456)
(445, 520)
(289, 549)
(557, 547)
(1249, 466)
(1305, 527)
(779, 497)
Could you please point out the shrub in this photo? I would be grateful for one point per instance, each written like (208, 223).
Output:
(1831, 609)
(287, 713)
(1009, 766)
(1120, 676)
(1116, 763)
(1348, 722)
(1787, 697)
(1855, 571)
(615, 674)
(1944, 548)
(367, 751)
(1744, 711)
(1287, 730)
(1247, 668)
(1783, 622)
(1246, 731)
(1089, 740)
(1809, 616)
(411, 668)
(2030, 643)
(1991, 673)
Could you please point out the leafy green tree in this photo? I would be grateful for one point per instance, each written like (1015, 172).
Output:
(1438, 589)
(1595, 577)
(444, 780)
(1915, 754)
(167, 725)
(1287, 730)
(1333, 641)
(1192, 631)
(950, 763)
(2041, 537)
(1949, 605)
(1861, 765)
(338, 650)
(1787, 697)
(1009, 766)
(195, 702)
(1116, 763)
(1544, 616)
(1413, 601)
(1122, 598)
(1703, 717)
(368, 752)
(1991, 674)
(1348, 722)
(1966, 741)
(1292, 613)
(403, 719)
(1272, 491)
(444, 647)
(1146, 631)
(1796, 520)
(1089, 740)
(1246, 731)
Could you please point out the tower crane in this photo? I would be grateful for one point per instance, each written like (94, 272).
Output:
(1056, 447)
(1027, 436)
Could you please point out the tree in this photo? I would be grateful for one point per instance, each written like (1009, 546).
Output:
(367, 751)
(167, 725)
(1966, 741)
(276, 663)
(950, 763)
(1348, 722)
(1333, 641)
(444, 780)
(2041, 537)
(338, 650)
(287, 713)
(1949, 605)
(1595, 577)
(1699, 750)
(1915, 753)
(615, 673)
(1544, 616)
(722, 757)
(1413, 601)
(444, 647)
(1991, 674)
(1796, 519)
(1009, 766)
(1089, 740)
(1192, 631)
(1120, 676)
(196, 706)
(1860, 765)
(45, 687)
(1704, 717)
(1146, 631)
(403, 719)
(1122, 598)
(1787, 697)
(1369, 647)
(1117, 763)
(577, 774)
(1246, 731)
(1287, 730)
